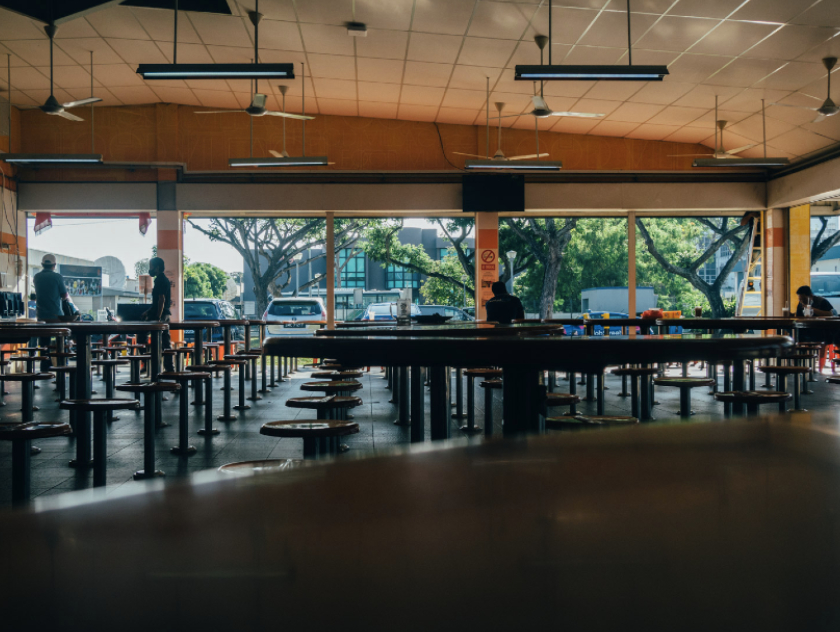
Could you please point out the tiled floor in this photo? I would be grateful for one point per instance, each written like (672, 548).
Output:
(240, 440)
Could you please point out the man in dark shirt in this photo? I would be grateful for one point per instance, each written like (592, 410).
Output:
(503, 307)
(161, 303)
(819, 307)
(49, 292)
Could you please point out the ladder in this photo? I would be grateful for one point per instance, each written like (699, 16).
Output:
(750, 298)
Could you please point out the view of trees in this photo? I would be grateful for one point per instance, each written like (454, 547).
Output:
(204, 280)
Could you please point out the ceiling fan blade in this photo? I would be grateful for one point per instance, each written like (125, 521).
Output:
(258, 101)
(798, 107)
(87, 101)
(819, 118)
(577, 114)
(289, 115)
(528, 157)
(276, 154)
(458, 153)
(738, 150)
(68, 116)
(218, 111)
(691, 155)
(539, 103)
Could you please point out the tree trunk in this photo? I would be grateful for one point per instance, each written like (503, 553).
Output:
(549, 288)
(261, 297)
(716, 303)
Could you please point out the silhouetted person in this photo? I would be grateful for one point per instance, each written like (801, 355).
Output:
(818, 307)
(49, 292)
(161, 303)
(503, 307)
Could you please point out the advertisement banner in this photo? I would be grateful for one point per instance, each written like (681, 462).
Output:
(82, 280)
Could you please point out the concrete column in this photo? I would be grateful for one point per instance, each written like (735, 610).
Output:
(170, 246)
(775, 263)
(486, 259)
(631, 264)
(330, 271)
(799, 253)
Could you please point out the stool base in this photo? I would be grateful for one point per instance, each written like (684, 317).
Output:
(213, 431)
(183, 452)
(244, 407)
(75, 463)
(140, 475)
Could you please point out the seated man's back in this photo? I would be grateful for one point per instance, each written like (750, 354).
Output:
(504, 309)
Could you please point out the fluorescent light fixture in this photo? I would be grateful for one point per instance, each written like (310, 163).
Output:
(216, 71)
(22, 159)
(291, 161)
(513, 165)
(741, 162)
(590, 73)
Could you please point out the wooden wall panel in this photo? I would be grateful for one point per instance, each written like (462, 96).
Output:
(175, 133)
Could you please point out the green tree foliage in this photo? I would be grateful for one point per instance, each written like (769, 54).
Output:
(216, 277)
(196, 284)
(443, 291)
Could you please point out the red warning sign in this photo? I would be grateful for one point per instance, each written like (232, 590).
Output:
(488, 256)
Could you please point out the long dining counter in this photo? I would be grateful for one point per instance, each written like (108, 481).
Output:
(522, 359)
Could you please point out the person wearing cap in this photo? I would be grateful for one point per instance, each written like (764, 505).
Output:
(49, 292)
(161, 303)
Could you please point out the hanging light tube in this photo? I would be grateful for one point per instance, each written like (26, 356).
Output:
(21, 159)
(291, 161)
(513, 165)
(741, 162)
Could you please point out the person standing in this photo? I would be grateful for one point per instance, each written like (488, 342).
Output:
(161, 304)
(503, 308)
(49, 292)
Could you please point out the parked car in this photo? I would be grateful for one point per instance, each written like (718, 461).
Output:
(386, 311)
(294, 316)
(212, 309)
(825, 284)
(456, 314)
(470, 311)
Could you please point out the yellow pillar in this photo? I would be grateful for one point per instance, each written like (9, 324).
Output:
(486, 260)
(799, 242)
(631, 264)
(330, 271)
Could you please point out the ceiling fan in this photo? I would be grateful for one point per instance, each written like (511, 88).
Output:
(541, 109)
(257, 108)
(500, 155)
(52, 106)
(284, 153)
(719, 151)
(828, 108)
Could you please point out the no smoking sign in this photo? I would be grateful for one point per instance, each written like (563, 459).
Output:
(488, 256)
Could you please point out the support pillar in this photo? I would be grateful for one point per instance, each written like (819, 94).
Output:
(631, 266)
(486, 260)
(799, 250)
(330, 271)
(170, 247)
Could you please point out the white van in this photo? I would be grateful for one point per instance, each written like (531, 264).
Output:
(294, 316)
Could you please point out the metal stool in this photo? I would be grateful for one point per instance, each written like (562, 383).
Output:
(685, 384)
(316, 434)
(21, 436)
(184, 378)
(489, 386)
(151, 391)
(753, 399)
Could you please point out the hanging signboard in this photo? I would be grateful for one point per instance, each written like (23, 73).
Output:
(82, 280)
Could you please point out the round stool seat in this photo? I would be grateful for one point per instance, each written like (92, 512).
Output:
(99, 405)
(264, 466)
(808, 345)
(491, 384)
(798, 356)
(314, 403)
(784, 369)
(67, 355)
(607, 420)
(210, 368)
(170, 352)
(231, 360)
(633, 371)
(337, 375)
(486, 373)
(113, 362)
(833, 380)
(561, 399)
(27, 358)
(185, 375)
(566, 422)
(38, 349)
(309, 429)
(330, 387)
(753, 397)
(26, 377)
(185, 350)
(140, 357)
(684, 382)
(34, 430)
(149, 387)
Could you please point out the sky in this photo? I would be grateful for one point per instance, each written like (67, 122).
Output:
(90, 239)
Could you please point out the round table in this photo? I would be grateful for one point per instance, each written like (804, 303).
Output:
(436, 331)
(226, 324)
(197, 327)
(522, 359)
(82, 333)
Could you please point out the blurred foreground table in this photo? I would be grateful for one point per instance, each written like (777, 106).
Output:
(691, 526)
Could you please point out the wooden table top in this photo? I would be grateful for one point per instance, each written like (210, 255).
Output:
(592, 530)
(193, 324)
(431, 331)
(15, 335)
(224, 322)
(126, 327)
(818, 323)
(562, 353)
(763, 322)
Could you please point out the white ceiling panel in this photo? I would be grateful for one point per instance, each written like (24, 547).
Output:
(433, 57)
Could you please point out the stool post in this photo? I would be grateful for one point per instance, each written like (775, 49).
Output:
(459, 393)
(208, 429)
(148, 470)
(272, 360)
(21, 475)
(599, 399)
(751, 364)
(470, 402)
(685, 402)
(310, 447)
(488, 412)
(781, 385)
(418, 408)
(183, 448)
(439, 402)
(28, 397)
(572, 391)
(634, 395)
(404, 400)
(590, 388)
(100, 456)
(263, 375)
(242, 405)
(646, 400)
(226, 414)
(253, 364)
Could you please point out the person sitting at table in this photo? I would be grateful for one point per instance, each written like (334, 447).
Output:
(160, 309)
(820, 307)
(503, 308)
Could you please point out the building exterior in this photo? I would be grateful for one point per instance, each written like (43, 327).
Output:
(615, 299)
(359, 272)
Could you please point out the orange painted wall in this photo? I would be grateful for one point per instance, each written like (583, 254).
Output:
(165, 132)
